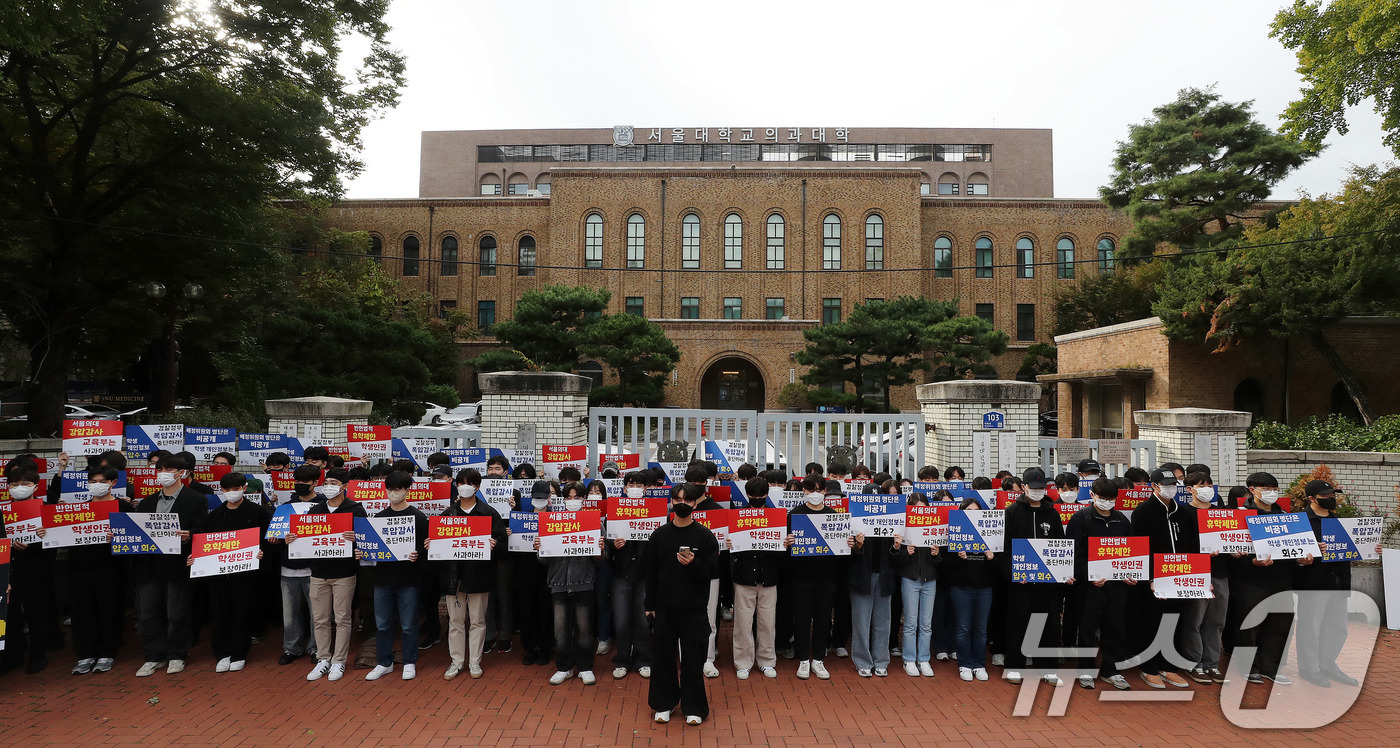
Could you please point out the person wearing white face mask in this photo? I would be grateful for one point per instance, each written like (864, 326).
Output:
(231, 595)
(333, 584)
(534, 610)
(571, 581)
(396, 585)
(31, 610)
(813, 581)
(1202, 621)
(628, 561)
(163, 591)
(1253, 580)
(1031, 516)
(1102, 603)
(1170, 528)
(468, 584)
(95, 584)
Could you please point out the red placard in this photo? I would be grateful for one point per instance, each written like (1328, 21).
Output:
(91, 436)
(355, 432)
(1066, 511)
(442, 528)
(209, 475)
(459, 538)
(424, 490)
(624, 462)
(1130, 498)
(757, 529)
(229, 552)
(839, 503)
(1052, 492)
(22, 519)
(570, 533)
(716, 521)
(361, 491)
(1181, 576)
(141, 482)
(564, 453)
(76, 524)
(4, 551)
(1119, 558)
(926, 526)
(623, 508)
(312, 525)
(1006, 498)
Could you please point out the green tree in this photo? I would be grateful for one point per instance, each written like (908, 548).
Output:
(1192, 176)
(126, 122)
(1348, 51)
(638, 352)
(1104, 299)
(546, 329)
(1041, 358)
(1325, 259)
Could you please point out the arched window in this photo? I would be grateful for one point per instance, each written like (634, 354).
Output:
(874, 242)
(977, 184)
(776, 242)
(733, 242)
(410, 256)
(984, 257)
(593, 241)
(449, 256)
(1107, 250)
(490, 184)
(925, 188)
(376, 249)
(831, 242)
(542, 183)
(487, 262)
(518, 185)
(690, 241)
(1064, 257)
(942, 257)
(948, 183)
(1025, 257)
(526, 264)
(636, 241)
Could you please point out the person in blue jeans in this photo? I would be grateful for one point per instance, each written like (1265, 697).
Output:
(396, 586)
(872, 584)
(918, 572)
(970, 577)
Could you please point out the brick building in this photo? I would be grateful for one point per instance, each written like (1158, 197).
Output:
(735, 240)
(1107, 373)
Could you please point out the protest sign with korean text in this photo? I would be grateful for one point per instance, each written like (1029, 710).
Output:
(255, 448)
(1181, 576)
(499, 494)
(1131, 498)
(757, 529)
(524, 528)
(459, 538)
(230, 552)
(321, 536)
(140, 533)
(727, 455)
(431, 497)
(1119, 558)
(626, 463)
(1225, 530)
(371, 494)
(635, 519)
(205, 442)
(68, 525)
(22, 520)
(141, 440)
(1284, 535)
(926, 526)
(368, 442)
(820, 535)
(281, 522)
(85, 437)
(1351, 538)
(564, 534)
(877, 515)
(141, 482)
(1042, 560)
(416, 449)
(976, 530)
(386, 538)
(716, 521)
(555, 457)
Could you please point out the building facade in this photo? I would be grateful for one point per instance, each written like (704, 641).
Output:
(736, 246)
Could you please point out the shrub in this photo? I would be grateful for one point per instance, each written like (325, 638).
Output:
(1332, 433)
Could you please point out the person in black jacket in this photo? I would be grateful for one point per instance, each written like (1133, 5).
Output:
(31, 613)
(1032, 516)
(628, 563)
(1322, 599)
(682, 558)
(96, 582)
(468, 584)
(872, 581)
(813, 580)
(1254, 580)
(333, 586)
(970, 577)
(1170, 528)
(231, 595)
(918, 571)
(1103, 603)
(163, 591)
(755, 575)
(396, 584)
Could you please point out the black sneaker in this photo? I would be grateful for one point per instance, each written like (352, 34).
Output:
(1217, 677)
(1199, 674)
(1255, 678)
(428, 643)
(488, 647)
(504, 647)
(1314, 677)
(1337, 675)
(287, 658)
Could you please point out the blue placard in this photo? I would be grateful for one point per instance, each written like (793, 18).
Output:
(878, 514)
(1337, 544)
(130, 538)
(993, 420)
(964, 534)
(372, 545)
(1285, 535)
(253, 448)
(141, 440)
(820, 534)
(470, 457)
(524, 528)
(281, 523)
(1040, 560)
(73, 486)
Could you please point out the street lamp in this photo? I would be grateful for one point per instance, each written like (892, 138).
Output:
(173, 312)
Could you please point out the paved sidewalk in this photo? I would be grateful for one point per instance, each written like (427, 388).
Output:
(514, 705)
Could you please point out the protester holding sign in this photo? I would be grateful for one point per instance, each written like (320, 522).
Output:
(813, 580)
(970, 576)
(628, 561)
(32, 622)
(164, 599)
(396, 584)
(1254, 580)
(1102, 602)
(96, 585)
(918, 571)
(230, 595)
(1170, 528)
(682, 558)
(872, 581)
(1203, 620)
(468, 584)
(534, 607)
(1322, 590)
(571, 580)
(1031, 516)
(332, 583)
(756, 575)
(294, 574)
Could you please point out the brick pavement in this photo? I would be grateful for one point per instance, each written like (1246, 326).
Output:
(514, 705)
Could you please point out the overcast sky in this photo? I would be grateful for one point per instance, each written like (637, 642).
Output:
(1083, 69)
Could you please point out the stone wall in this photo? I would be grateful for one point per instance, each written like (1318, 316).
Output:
(954, 411)
(332, 414)
(1370, 479)
(556, 404)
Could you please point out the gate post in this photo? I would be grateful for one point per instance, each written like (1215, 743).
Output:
(555, 403)
(1212, 437)
(954, 411)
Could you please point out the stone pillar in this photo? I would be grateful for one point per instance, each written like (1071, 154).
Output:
(552, 404)
(954, 410)
(1186, 435)
(331, 414)
(1134, 400)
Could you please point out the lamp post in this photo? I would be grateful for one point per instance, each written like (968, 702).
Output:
(170, 374)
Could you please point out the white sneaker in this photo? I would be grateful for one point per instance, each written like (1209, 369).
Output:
(588, 677)
(319, 671)
(804, 669)
(770, 672)
(980, 672)
(941, 656)
(85, 666)
(603, 647)
(645, 672)
(379, 671)
(222, 667)
(819, 670)
(998, 660)
(742, 674)
(896, 652)
(410, 671)
(1086, 682)
(711, 671)
(662, 717)
(1052, 679)
(560, 676)
(237, 665)
(965, 673)
(1012, 676)
(337, 672)
(474, 671)
(910, 669)
(693, 719)
(926, 670)
(619, 673)
(148, 669)
(175, 666)
(882, 672)
(864, 672)
(727, 613)
(841, 652)
(453, 670)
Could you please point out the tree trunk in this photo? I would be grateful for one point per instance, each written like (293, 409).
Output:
(48, 388)
(1355, 387)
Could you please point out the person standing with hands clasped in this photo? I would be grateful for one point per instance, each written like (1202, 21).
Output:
(333, 586)
(682, 557)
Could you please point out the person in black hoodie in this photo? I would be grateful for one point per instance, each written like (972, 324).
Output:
(1102, 603)
(970, 576)
(231, 595)
(294, 576)
(163, 591)
(1322, 599)
(396, 584)
(1170, 528)
(628, 561)
(755, 575)
(682, 558)
(1253, 580)
(813, 580)
(918, 571)
(1032, 516)
(96, 582)
(468, 584)
(333, 585)
(872, 582)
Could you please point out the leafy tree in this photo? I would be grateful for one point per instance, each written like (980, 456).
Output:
(883, 344)
(1325, 259)
(1040, 358)
(1348, 50)
(1193, 175)
(125, 123)
(546, 329)
(638, 351)
(1103, 299)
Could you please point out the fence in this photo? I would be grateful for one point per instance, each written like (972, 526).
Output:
(1061, 455)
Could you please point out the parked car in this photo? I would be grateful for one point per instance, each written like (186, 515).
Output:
(433, 415)
(873, 445)
(1050, 423)
(464, 413)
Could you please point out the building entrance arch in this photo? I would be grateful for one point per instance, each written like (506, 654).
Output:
(732, 383)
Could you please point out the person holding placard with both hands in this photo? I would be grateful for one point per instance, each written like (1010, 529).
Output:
(163, 590)
(1322, 599)
(396, 584)
(333, 586)
(469, 584)
(1102, 603)
(230, 595)
(1032, 516)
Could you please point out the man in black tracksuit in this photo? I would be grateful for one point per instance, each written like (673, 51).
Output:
(682, 558)
(1032, 516)
(1102, 603)
(1170, 528)
(1258, 579)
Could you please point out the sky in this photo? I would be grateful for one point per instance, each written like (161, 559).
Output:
(1086, 70)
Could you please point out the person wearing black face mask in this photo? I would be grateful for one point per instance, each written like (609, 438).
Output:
(1322, 599)
(296, 579)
